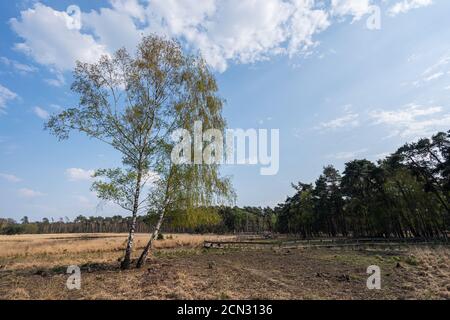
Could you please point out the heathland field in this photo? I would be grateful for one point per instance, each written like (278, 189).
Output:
(34, 267)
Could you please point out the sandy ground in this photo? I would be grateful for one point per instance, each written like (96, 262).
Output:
(34, 267)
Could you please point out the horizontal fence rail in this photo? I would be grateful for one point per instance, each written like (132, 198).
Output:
(325, 243)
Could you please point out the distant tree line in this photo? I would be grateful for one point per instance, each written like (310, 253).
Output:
(81, 224)
(407, 194)
(225, 220)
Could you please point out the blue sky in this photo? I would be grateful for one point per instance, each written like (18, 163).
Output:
(335, 89)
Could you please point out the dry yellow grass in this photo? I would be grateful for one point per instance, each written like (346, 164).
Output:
(22, 251)
(432, 272)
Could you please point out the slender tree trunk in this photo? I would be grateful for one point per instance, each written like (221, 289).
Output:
(143, 258)
(130, 243)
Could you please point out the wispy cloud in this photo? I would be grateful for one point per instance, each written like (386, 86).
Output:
(434, 76)
(41, 113)
(346, 155)
(29, 193)
(10, 177)
(413, 120)
(438, 66)
(436, 71)
(17, 66)
(78, 174)
(57, 81)
(349, 120)
(6, 95)
(407, 5)
(357, 9)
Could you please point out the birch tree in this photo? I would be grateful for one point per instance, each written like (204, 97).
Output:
(134, 103)
(189, 191)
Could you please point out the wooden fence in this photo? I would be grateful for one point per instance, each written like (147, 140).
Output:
(325, 243)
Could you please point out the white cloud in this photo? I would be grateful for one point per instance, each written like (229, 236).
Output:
(19, 67)
(357, 9)
(6, 95)
(348, 120)
(49, 40)
(413, 121)
(346, 155)
(41, 113)
(407, 5)
(223, 31)
(29, 193)
(113, 28)
(130, 7)
(10, 177)
(434, 76)
(57, 81)
(306, 22)
(436, 71)
(440, 65)
(239, 31)
(77, 174)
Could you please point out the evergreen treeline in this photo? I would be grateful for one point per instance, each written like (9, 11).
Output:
(229, 220)
(81, 224)
(404, 195)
